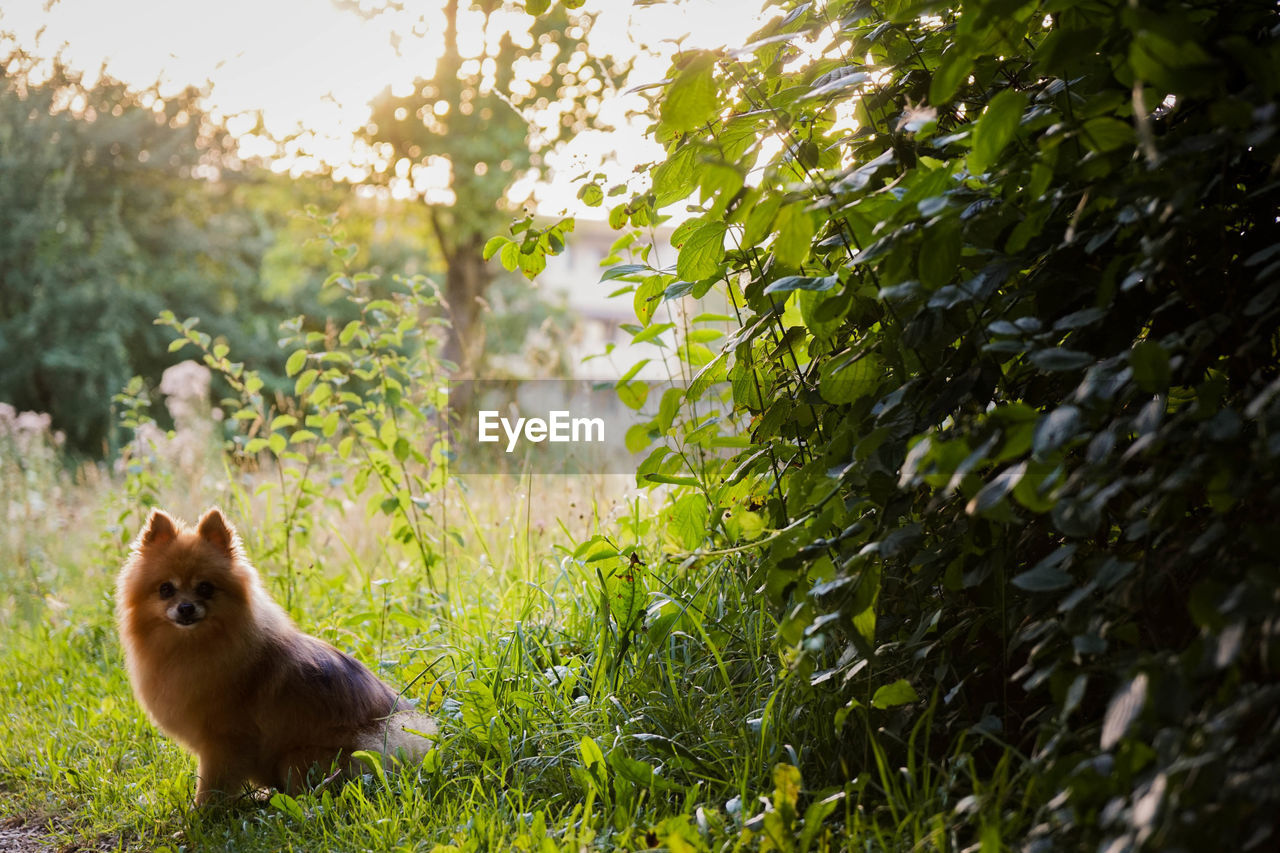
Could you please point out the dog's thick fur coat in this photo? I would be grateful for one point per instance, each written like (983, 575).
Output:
(221, 668)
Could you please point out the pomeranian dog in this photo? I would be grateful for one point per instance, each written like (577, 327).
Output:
(220, 667)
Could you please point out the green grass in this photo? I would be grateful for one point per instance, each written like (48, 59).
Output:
(513, 663)
(556, 732)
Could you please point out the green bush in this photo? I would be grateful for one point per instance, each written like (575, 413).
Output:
(105, 219)
(116, 204)
(1004, 278)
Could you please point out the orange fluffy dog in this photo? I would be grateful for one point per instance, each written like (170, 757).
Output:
(221, 668)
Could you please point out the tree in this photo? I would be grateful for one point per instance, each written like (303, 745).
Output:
(118, 203)
(486, 120)
(98, 221)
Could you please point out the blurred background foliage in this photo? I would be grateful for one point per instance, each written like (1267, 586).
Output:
(102, 223)
(117, 203)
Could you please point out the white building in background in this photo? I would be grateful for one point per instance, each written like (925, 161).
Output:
(574, 275)
(576, 271)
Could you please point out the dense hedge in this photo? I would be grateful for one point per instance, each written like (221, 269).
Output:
(1005, 302)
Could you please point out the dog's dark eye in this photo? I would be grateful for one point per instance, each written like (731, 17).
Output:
(166, 590)
(204, 589)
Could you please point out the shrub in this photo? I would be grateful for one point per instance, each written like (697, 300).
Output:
(1004, 284)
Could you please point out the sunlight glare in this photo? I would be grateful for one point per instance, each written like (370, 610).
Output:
(305, 70)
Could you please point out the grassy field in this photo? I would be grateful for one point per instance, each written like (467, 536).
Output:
(555, 733)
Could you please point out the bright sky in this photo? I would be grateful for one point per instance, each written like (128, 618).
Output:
(305, 63)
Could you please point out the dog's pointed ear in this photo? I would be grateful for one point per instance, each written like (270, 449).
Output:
(217, 531)
(159, 529)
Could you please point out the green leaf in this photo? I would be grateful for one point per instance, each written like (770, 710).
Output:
(1043, 578)
(1055, 429)
(760, 220)
(637, 438)
(1060, 358)
(626, 272)
(953, 70)
(647, 298)
(1035, 490)
(1029, 226)
(295, 362)
(637, 367)
(536, 7)
(591, 195)
(633, 394)
(288, 805)
(995, 129)
(687, 521)
(899, 692)
(675, 178)
(305, 381)
(788, 283)
(750, 524)
(690, 100)
(796, 227)
(838, 80)
(841, 381)
(591, 753)
(995, 491)
(595, 549)
(617, 221)
(818, 811)
(702, 252)
(719, 181)
(348, 332)
(650, 333)
(1150, 364)
(510, 256)
(671, 479)
(624, 586)
(634, 771)
(1170, 66)
(786, 789)
(864, 604)
(494, 244)
(482, 716)
(532, 263)
(939, 263)
(1105, 133)
(1124, 708)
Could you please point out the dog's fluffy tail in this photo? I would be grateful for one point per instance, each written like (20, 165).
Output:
(405, 735)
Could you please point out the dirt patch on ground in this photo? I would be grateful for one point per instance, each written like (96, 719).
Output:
(24, 834)
(17, 835)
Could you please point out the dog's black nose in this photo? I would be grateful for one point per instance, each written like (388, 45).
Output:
(186, 612)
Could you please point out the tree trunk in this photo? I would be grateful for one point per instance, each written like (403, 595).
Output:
(466, 281)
